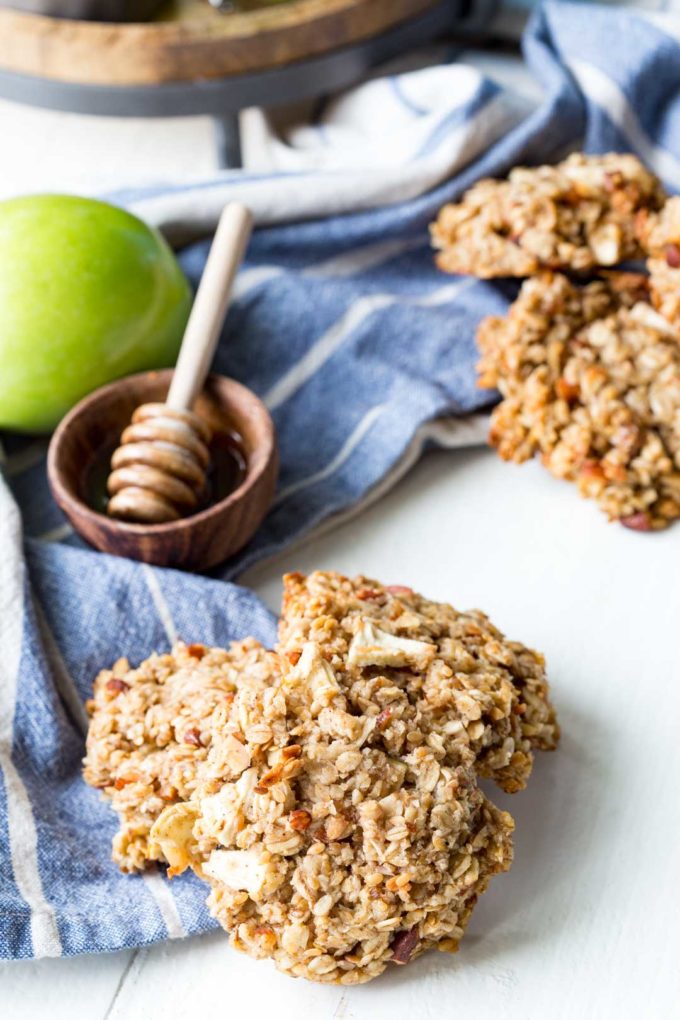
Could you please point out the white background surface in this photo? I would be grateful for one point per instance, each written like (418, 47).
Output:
(586, 924)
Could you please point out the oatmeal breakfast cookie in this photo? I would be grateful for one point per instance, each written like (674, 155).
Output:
(575, 216)
(326, 849)
(660, 237)
(151, 727)
(428, 674)
(590, 378)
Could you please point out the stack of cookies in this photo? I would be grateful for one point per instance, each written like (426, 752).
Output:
(588, 358)
(327, 791)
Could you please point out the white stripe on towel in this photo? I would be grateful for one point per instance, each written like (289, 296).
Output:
(165, 901)
(366, 256)
(335, 336)
(62, 677)
(349, 263)
(345, 452)
(607, 95)
(23, 834)
(249, 279)
(56, 534)
(448, 433)
(159, 602)
(667, 21)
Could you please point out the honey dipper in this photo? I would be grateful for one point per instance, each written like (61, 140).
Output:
(159, 469)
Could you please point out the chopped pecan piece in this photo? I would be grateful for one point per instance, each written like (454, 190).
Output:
(637, 522)
(673, 255)
(283, 769)
(366, 594)
(193, 737)
(383, 719)
(566, 390)
(404, 944)
(292, 751)
(116, 685)
(591, 469)
(300, 820)
(125, 780)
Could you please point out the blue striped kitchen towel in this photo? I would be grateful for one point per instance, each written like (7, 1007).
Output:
(361, 350)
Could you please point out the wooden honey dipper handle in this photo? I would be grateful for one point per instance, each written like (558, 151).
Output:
(210, 306)
(159, 468)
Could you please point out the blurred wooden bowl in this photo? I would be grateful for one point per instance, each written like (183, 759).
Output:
(196, 542)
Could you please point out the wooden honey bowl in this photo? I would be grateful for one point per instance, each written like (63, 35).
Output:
(197, 542)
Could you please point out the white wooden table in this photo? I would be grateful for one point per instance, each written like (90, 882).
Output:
(586, 924)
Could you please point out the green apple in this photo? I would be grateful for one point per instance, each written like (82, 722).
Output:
(88, 293)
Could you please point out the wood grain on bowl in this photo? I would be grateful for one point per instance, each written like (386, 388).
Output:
(199, 541)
